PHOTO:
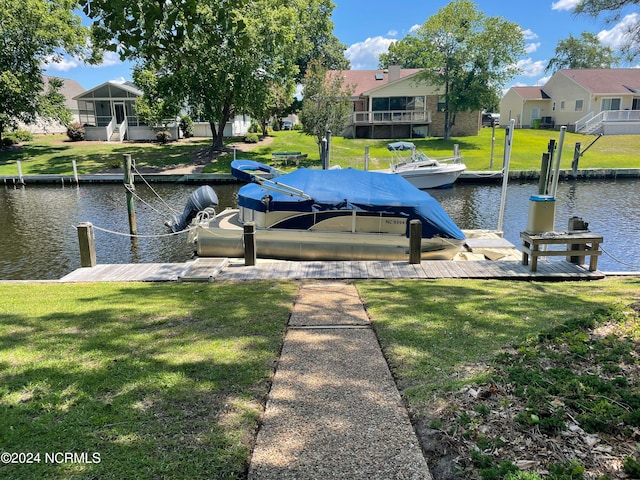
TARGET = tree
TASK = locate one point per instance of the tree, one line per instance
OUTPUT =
(583, 52)
(160, 103)
(226, 55)
(35, 33)
(326, 102)
(615, 9)
(467, 55)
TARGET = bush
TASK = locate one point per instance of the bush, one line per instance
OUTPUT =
(75, 132)
(254, 127)
(163, 136)
(8, 140)
(251, 138)
(186, 125)
(23, 135)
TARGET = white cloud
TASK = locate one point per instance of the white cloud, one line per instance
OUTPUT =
(543, 80)
(392, 33)
(531, 68)
(64, 65)
(618, 35)
(364, 55)
(564, 4)
(110, 59)
(529, 34)
(532, 47)
(414, 28)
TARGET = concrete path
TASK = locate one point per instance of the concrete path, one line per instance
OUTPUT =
(334, 410)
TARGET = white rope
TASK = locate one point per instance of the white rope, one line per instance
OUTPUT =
(618, 260)
(160, 235)
(133, 192)
(171, 209)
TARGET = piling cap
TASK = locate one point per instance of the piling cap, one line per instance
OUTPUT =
(542, 198)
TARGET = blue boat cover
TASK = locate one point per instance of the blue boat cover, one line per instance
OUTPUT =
(351, 189)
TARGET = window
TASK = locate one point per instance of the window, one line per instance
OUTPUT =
(610, 104)
(579, 103)
(380, 104)
(562, 105)
(441, 103)
(553, 107)
(636, 104)
(383, 104)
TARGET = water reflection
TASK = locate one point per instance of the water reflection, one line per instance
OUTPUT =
(38, 239)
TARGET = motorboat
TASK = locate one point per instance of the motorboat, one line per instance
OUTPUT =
(423, 171)
(309, 214)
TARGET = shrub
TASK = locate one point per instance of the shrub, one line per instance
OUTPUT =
(23, 135)
(186, 125)
(75, 132)
(8, 140)
(254, 127)
(163, 136)
(251, 138)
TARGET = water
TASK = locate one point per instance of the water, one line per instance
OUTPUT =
(38, 239)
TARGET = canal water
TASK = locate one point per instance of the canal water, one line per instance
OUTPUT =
(38, 239)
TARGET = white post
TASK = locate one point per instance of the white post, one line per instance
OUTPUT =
(366, 158)
(75, 171)
(556, 170)
(20, 172)
(505, 173)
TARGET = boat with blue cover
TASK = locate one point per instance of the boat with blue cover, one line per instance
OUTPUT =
(341, 214)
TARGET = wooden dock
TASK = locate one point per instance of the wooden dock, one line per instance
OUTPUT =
(224, 269)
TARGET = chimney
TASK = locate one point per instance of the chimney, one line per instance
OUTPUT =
(394, 72)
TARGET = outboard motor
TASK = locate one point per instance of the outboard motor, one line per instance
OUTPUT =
(202, 198)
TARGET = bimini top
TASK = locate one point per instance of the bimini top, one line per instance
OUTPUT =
(306, 190)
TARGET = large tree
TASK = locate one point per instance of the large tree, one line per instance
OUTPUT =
(326, 102)
(34, 33)
(583, 52)
(468, 55)
(227, 56)
(613, 11)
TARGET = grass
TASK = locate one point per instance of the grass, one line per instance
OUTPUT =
(535, 339)
(158, 380)
(52, 154)
(169, 380)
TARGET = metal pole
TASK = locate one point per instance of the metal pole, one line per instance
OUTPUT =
(556, 170)
(505, 174)
(493, 142)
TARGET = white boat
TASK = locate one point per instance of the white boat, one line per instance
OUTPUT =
(422, 171)
(307, 214)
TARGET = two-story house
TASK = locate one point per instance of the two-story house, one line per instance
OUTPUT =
(394, 103)
(585, 100)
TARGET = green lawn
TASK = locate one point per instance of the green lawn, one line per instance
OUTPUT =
(169, 380)
(52, 154)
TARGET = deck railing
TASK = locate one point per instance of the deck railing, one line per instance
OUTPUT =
(391, 116)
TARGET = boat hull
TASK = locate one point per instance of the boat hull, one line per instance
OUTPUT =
(223, 237)
(435, 178)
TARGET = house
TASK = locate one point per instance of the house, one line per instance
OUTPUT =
(393, 103)
(585, 100)
(107, 112)
(70, 88)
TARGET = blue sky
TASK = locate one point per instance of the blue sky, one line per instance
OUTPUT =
(367, 27)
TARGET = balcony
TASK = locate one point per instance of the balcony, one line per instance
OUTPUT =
(390, 116)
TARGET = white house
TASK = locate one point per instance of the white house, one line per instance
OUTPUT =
(585, 100)
(107, 113)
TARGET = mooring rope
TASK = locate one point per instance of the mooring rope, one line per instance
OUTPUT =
(171, 209)
(159, 235)
(618, 260)
(133, 192)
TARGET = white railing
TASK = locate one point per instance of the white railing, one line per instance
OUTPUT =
(592, 121)
(110, 128)
(391, 116)
(122, 129)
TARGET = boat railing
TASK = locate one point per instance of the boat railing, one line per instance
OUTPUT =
(280, 187)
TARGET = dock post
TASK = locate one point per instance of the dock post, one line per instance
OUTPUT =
(249, 237)
(87, 242)
(130, 187)
(415, 241)
(544, 174)
(366, 158)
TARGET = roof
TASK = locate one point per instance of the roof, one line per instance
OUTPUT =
(70, 89)
(606, 81)
(531, 93)
(111, 89)
(365, 80)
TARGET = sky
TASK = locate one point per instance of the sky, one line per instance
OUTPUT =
(368, 27)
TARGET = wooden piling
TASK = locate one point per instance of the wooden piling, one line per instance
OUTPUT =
(415, 241)
(249, 237)
(86, 239)
(130, 187)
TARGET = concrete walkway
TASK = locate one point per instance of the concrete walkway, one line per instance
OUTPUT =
(334, 410)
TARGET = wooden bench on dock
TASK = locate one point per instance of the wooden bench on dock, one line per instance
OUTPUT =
(283, 158)
(577, 245)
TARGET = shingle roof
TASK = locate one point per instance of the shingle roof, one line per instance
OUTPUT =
(531, 93)
(365, 80)
(70, 89)
(606, 81)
